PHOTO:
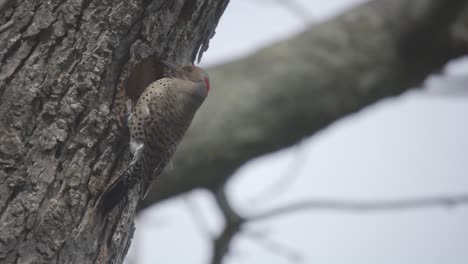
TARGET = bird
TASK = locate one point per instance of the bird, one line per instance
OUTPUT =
(157, 124)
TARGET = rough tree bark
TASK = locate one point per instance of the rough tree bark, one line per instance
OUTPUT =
(292, 89)
(61, 63)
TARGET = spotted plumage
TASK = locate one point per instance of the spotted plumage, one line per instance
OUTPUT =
(157, 123)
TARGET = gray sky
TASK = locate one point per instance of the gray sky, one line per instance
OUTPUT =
(407, 146)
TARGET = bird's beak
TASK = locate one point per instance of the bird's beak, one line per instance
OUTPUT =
(171, 66)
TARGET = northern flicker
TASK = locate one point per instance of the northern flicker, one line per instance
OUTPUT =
(157, 123)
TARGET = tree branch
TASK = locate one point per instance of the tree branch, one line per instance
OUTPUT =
(292, 89)
(363, 206)
(232, 225)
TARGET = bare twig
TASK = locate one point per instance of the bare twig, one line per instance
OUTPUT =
(363, 206)
(232, 225)
(286, 179)
(275, 247)
(234, 222)
(198, 218)
(294, 7)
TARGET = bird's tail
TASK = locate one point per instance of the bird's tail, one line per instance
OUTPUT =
(114, 195)
(118, 190)
(137, 172)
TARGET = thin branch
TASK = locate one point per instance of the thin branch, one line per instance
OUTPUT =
(364, 206)
(234, 222)
(232, 225)
(286, 179)
(275, 247)
(295, 8)
(197, 216)
(224, 205)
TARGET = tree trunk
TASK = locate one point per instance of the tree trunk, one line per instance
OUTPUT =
(60, 145)
(293, 89)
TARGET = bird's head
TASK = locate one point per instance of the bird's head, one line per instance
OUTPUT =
(191, 73)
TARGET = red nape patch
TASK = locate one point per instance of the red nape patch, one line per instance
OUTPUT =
(207, 83)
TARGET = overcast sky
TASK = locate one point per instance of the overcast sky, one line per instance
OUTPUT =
(408, 146)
